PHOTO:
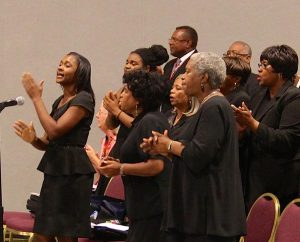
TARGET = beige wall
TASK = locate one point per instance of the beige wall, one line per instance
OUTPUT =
(35, 34)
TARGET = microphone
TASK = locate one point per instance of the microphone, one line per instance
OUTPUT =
(12, 102)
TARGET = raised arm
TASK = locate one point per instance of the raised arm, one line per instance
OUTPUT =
(53, 128)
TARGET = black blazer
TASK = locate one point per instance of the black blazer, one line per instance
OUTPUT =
(274, 152)
(169, 67)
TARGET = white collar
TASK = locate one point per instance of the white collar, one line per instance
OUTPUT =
(186, 56)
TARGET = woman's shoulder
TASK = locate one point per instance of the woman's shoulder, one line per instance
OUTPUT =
(83, 99)
(238, 97)
(217, 105)
(83, 95)
(154, 119)
(155, 115)
(291, 94)
(215, 101)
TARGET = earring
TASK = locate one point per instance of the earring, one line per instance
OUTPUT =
(136, 110)
(202, 87)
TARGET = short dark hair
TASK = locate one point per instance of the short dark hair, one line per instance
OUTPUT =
(83, 74)
(191, 33)
(236, 66)
(154, 56)
(283, 59)
(146, 87)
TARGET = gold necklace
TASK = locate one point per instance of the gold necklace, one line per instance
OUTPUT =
(209, 96)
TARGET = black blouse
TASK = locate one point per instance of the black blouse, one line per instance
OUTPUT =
(145, 196)
(65, 155)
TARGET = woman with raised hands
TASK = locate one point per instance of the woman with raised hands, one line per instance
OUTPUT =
(64, 210)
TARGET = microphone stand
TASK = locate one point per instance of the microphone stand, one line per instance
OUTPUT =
(1, 207)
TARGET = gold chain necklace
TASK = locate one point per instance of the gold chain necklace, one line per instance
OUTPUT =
(209, 96)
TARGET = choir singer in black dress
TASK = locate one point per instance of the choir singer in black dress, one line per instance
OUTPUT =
(64, 211)
(205, 199)
(145, 176)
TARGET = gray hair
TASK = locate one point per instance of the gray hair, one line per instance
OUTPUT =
(211, 64)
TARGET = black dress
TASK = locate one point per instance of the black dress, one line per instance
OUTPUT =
(236, 97)
(68, 177)
(145, 196)
(205, 193)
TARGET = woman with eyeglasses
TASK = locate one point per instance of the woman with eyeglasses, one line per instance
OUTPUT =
(274, 128)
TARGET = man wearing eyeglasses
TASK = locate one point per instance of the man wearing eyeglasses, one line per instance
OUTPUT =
(243, 50)
(183, 43)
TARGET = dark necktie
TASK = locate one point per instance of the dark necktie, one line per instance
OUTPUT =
(175, 67)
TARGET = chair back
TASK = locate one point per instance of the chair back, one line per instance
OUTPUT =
(288, 229)
(262, 218)
(115, 188)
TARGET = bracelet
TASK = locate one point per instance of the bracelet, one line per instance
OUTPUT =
(34, 140)
(119, 114)
(170, 145)
(122, 170)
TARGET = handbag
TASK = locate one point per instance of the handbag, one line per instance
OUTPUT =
(33, 203)
(104, 208)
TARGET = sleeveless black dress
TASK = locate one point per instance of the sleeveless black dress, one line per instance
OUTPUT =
(68, 177)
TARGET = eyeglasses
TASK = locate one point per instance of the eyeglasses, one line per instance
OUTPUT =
(263, 65)
(177, 40)
(234, 53)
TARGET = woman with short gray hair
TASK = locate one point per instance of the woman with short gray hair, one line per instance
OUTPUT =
(205, 200)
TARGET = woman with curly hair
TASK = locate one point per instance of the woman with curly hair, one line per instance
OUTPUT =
(145, 176)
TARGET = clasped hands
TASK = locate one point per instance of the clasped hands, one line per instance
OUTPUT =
(108, 166)
(111, 103)
(156, 144)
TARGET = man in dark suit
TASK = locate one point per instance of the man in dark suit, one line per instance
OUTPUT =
(183, 43)
(243, 50)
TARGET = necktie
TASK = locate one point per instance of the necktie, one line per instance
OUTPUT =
(175, 67)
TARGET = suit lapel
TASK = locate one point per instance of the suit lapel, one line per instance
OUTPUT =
(259, 114)
(257, 103)
(181, 68)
